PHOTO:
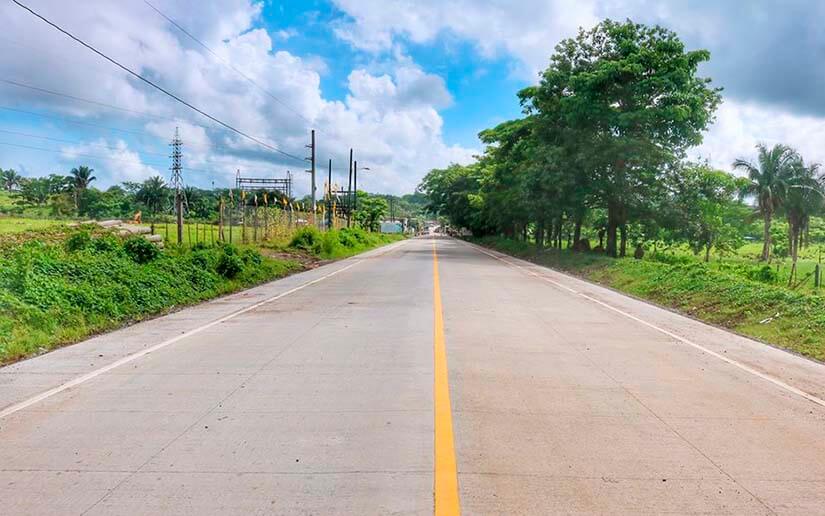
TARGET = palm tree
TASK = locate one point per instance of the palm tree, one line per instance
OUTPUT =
(804, 198)
(153, 194)
(10, 179)
(769, 183)
(80, 179)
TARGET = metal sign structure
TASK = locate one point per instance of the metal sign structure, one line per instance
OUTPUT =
(255, 184)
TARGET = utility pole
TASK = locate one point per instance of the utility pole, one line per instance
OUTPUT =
(177, 181)
(355, 184)
(311, 159)
(349, 191)
(329, 196)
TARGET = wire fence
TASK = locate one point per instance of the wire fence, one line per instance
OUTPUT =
(242, 225)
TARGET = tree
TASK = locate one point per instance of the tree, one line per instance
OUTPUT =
(153, 194)
(769, 183)
(629, 96)
(700, 209)
(80, 178)
(803, 198)
(371, 211)
(10, 179)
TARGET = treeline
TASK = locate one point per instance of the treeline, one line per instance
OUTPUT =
(74, 196)
(600, 153)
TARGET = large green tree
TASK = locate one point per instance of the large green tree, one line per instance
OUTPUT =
(630, 97)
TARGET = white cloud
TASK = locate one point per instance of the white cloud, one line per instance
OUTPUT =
(390, 118)
(740, 126)
(527, 30)
(121, 163)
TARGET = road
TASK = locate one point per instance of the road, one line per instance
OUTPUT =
(427, 374)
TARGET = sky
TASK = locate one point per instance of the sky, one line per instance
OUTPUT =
(407, 84)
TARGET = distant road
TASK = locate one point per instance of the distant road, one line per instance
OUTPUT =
(429, 373)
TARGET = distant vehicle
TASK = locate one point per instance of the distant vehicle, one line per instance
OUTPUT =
(392, 227)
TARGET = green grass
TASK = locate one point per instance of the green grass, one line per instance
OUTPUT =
(59, 286)
(50, 296)
(10, 225)
(339, 243)
(704, 291)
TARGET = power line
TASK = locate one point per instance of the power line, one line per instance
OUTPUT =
(228, 150)
(109, 147)
(88, 101)
(76, 142)
(152, 84)
(228, 64)
(93, 156)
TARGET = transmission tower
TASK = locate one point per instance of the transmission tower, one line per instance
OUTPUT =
(177, 181)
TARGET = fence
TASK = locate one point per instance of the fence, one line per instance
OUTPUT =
(242, 225)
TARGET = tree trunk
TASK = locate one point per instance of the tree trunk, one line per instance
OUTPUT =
(623, 235)
(766, 238)
(540, 235)
(707, 251)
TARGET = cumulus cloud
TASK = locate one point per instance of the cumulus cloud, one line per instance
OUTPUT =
(766, 54)
(120, 162)
(740, 126)
(390, 118)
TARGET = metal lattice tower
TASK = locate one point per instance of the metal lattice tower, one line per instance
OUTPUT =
(177, 162)
(177, 180)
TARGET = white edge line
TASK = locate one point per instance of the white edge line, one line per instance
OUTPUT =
(748, 369)
(134, 356)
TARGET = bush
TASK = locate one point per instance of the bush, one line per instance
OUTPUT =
(229, 265)
(140, 249)
(252, 257)
(307, 239)
(202, 258)
(330, 243)
(106, 244)
(78, 241)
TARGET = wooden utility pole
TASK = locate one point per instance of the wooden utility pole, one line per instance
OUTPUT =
(349, 191)
(329, 196)
(311, 160)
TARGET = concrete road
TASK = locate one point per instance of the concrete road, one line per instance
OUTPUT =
(392, 383)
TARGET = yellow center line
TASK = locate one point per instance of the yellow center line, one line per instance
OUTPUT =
(445, 482)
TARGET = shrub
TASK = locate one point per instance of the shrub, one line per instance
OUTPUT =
(200, 246)
(307, 239)
(252, 257)
(229, 265)
(140, 249)
(106, 244)
(202, 258)
(330, 243)
(78, 241)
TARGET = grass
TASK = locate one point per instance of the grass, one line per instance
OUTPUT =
(11, 225)
(770, 312)
(61, 286)
(338, 243)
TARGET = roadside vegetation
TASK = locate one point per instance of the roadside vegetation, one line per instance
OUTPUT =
(594, 179)
(734, 296)
(61, 285)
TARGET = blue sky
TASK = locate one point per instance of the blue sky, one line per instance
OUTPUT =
(408, 85)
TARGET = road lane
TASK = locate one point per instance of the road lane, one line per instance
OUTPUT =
(325, 401)
(562, 405)
(319, 402)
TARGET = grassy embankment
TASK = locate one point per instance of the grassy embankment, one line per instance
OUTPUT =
(60, 287)
(734, 296)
